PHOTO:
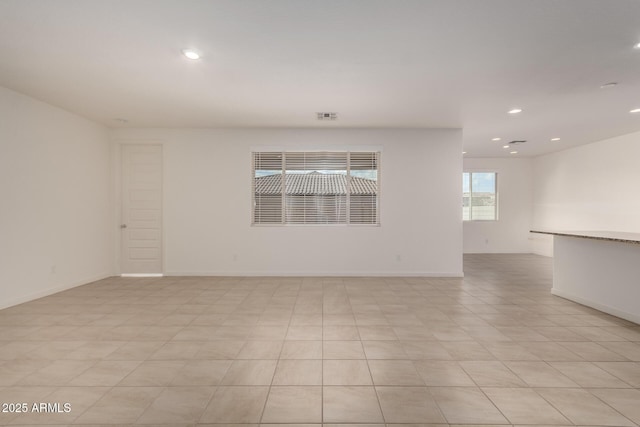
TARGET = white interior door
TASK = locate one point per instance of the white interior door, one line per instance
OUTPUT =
(141, 226)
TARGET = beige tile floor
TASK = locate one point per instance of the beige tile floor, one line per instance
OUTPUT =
(494, 348)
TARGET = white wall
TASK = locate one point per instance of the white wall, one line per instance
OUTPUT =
(510, 234)
(55, 212)
(591, 187)
(207, 205)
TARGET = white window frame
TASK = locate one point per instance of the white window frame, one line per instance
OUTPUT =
(348, 222)
(495, 208)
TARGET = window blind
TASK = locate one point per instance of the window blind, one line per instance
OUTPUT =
(336, 187)
(363, 202)
(267, 188)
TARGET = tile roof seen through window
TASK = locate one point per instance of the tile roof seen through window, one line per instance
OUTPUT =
(314, 183)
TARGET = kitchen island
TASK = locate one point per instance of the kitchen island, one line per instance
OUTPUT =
(599, 269)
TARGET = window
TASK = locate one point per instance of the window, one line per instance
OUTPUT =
(337, 187)
(479, 196)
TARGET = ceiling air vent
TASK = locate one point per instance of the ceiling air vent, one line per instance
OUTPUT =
(517, 142)
(327, 116)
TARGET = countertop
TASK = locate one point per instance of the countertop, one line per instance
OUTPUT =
(612, 236)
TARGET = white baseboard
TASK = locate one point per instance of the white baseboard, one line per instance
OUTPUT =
(632, 317)
(315, 273)
(50, 291)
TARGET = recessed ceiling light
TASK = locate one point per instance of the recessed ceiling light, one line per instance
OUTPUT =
(505, 146)
(513, 152)
(191, 54)
(555, 139)
(496, 139)
(635, 110)
(464, 152)
(636, 46)
(608, 85)
(515, 111)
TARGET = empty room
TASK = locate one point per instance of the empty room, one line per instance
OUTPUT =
(365, 213)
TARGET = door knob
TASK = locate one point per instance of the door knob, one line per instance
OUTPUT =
(123, 225)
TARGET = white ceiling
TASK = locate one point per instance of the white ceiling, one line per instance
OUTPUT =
(378, 63)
